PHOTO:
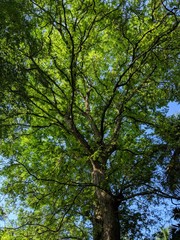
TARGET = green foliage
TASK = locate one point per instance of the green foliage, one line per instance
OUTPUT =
(169, 131)
(163, 235)
(85, 83)
(173, 232)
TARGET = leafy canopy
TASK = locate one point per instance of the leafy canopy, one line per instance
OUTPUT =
(83, 81)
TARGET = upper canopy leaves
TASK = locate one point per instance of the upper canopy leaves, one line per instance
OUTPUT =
(84, 81)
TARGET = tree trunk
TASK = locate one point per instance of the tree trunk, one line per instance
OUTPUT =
(105, 222)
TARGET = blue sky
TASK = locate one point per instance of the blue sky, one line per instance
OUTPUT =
(174, 108)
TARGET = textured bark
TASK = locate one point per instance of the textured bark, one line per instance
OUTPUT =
(105, 222)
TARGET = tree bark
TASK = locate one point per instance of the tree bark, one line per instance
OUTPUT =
(106, 222)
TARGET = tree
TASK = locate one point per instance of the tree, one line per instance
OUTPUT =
(171, 178)
(175, 229)
(83, 90)
(172, 232)
(163, 235)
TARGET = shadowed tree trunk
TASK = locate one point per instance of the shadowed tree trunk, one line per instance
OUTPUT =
(106, 222)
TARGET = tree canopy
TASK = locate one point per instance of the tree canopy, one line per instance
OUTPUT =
(86, 144)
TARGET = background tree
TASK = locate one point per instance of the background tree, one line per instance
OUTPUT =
(175, 229)
(83, 90)
(163, 235)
